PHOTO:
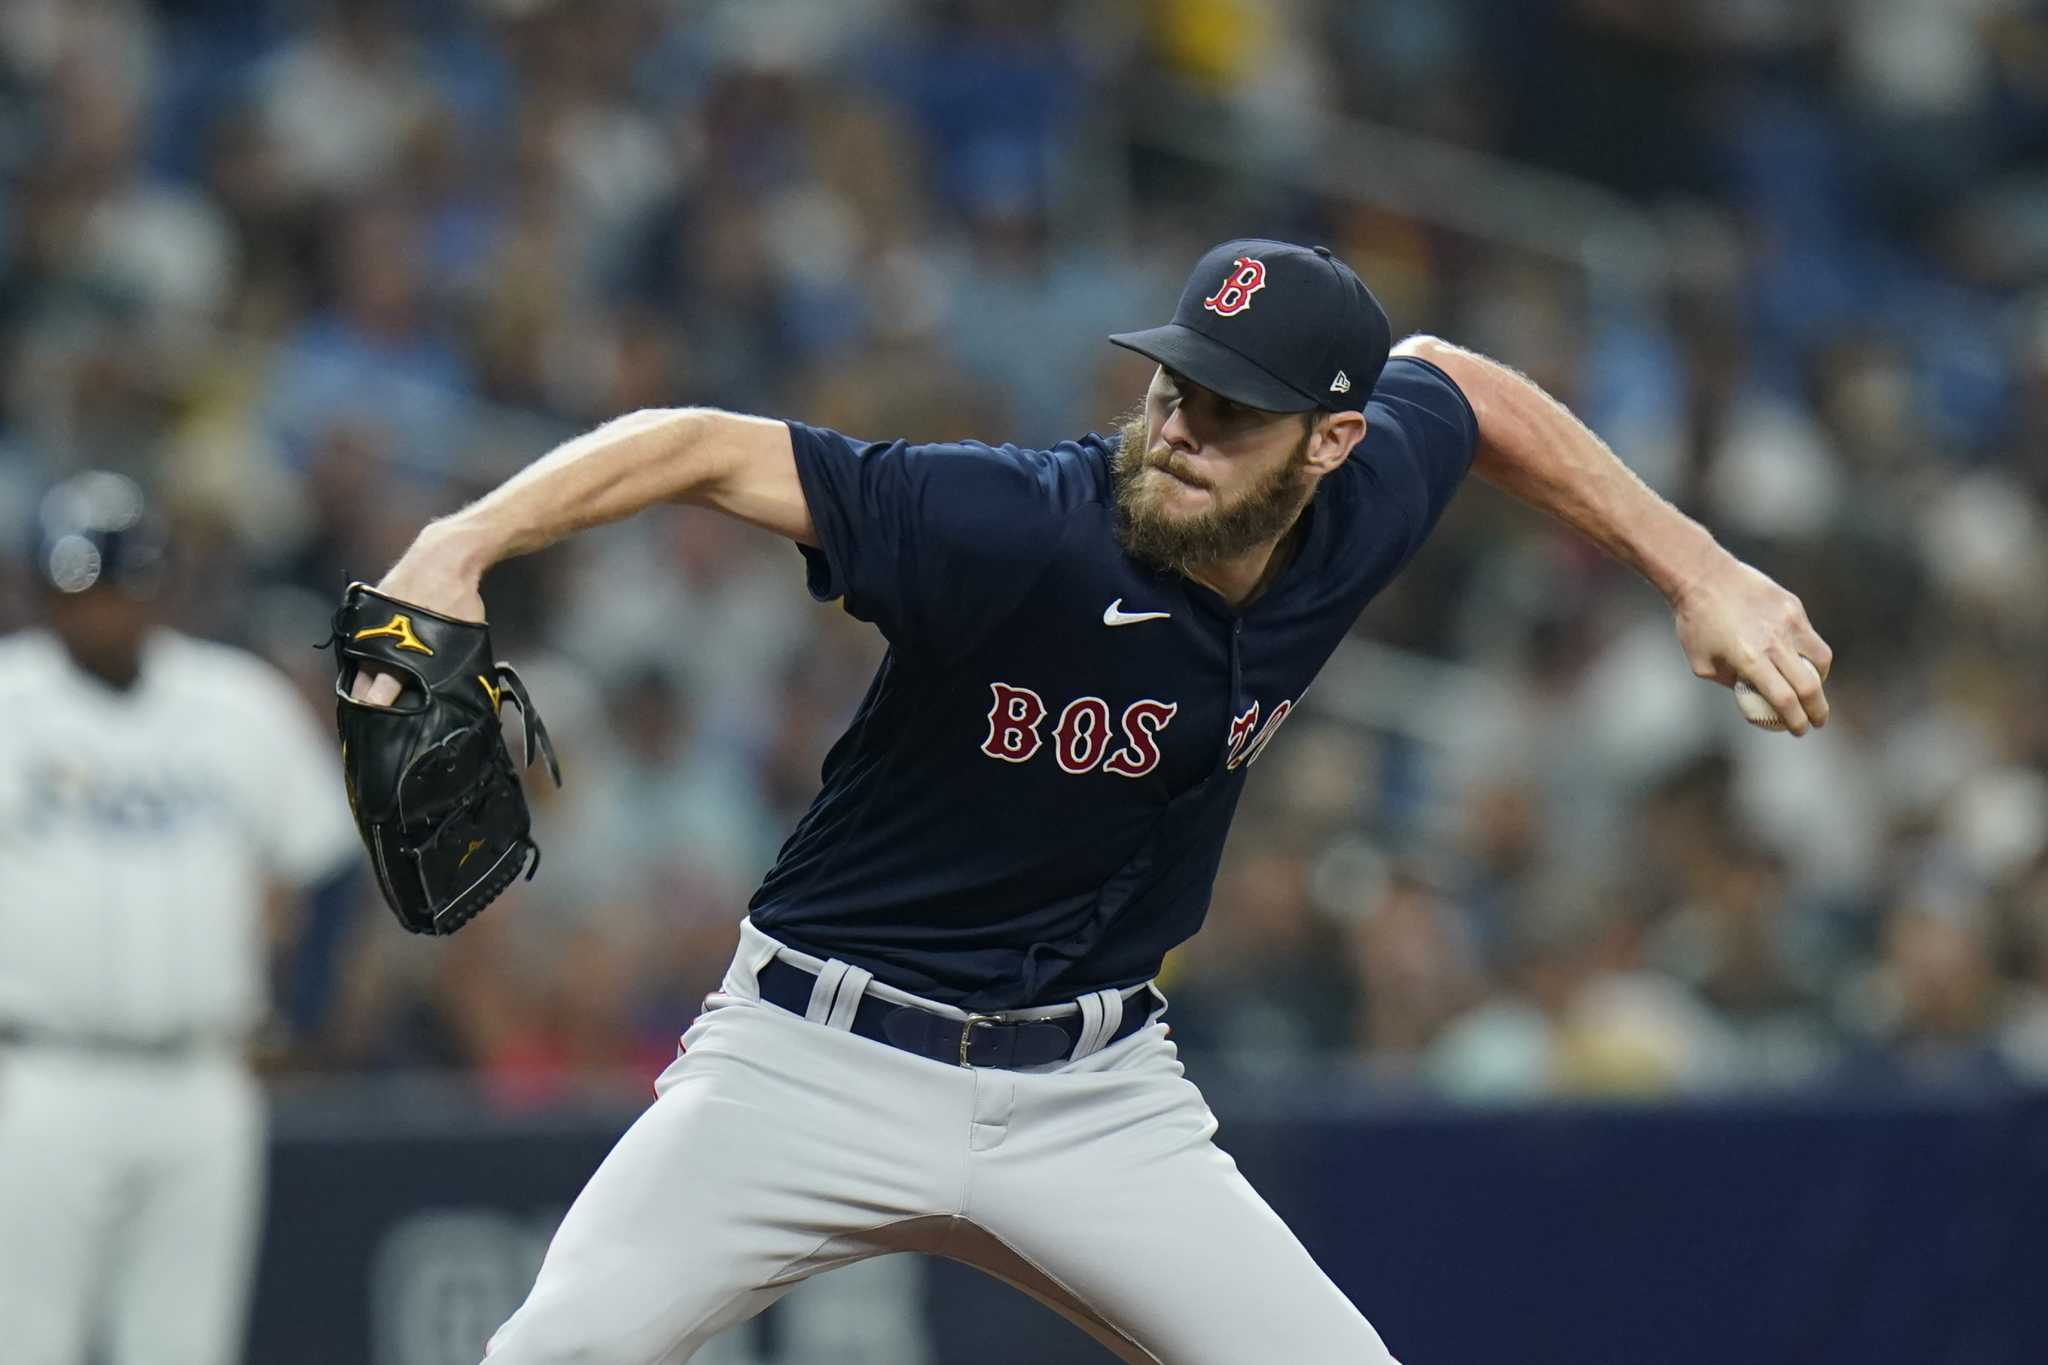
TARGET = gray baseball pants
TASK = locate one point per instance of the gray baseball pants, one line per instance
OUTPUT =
(779, 1147)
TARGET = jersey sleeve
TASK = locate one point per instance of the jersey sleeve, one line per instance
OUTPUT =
(1420, 463)
(935, 544)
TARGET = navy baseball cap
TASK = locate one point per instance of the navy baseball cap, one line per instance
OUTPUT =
(1275, 326)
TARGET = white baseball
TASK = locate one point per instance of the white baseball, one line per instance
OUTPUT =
(1755, 709)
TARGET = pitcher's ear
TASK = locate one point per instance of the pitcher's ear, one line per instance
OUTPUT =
(1336, 435)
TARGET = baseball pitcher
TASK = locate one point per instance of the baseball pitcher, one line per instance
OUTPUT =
(939, 1032)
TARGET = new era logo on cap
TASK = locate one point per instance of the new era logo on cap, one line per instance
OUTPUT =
(1341, 384)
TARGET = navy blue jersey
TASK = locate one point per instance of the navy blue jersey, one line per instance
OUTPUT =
(1032, 799)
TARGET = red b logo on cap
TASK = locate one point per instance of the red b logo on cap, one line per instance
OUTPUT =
(1247, 277)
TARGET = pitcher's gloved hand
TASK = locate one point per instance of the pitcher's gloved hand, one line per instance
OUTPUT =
(433, 788)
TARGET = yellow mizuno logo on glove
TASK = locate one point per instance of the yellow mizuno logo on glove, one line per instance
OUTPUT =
(399, 627)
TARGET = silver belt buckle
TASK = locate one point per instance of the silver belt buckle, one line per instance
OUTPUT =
(967, 1027)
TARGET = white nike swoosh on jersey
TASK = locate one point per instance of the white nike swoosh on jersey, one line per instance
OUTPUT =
(1111, 616)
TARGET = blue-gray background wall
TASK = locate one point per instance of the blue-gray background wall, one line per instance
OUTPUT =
(1839, 1227)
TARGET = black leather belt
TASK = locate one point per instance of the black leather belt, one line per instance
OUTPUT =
(977, 1040)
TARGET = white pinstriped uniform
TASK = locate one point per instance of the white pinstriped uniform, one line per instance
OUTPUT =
(140, 831)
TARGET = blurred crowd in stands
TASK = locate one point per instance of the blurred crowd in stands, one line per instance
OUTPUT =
(318, 270)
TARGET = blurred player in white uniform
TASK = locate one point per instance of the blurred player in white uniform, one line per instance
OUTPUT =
(155, 790)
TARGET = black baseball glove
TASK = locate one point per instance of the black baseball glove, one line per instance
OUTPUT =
(433, 789)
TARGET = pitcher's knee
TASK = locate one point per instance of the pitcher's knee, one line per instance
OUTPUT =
(564, 1337)
(531, 1348)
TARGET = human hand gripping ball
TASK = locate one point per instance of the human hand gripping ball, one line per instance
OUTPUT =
(1744, 631)
(431, 784)
(1755, 709)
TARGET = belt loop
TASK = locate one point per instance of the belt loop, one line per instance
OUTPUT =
(1091, 1025)
(824, 989)
(851, 988)
(1101, 1013)
(1112, 1017)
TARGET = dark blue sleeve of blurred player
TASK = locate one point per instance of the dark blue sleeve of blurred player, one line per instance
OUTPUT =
(312, 968)
(1420, 435)
(935, 544)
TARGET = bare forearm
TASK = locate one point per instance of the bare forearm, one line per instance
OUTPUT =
(1733, 622)
(741, 466)
(1530, 445)
(606, 475)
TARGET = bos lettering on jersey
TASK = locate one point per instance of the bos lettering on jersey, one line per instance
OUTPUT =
(1083, 737)
(1243, 748)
